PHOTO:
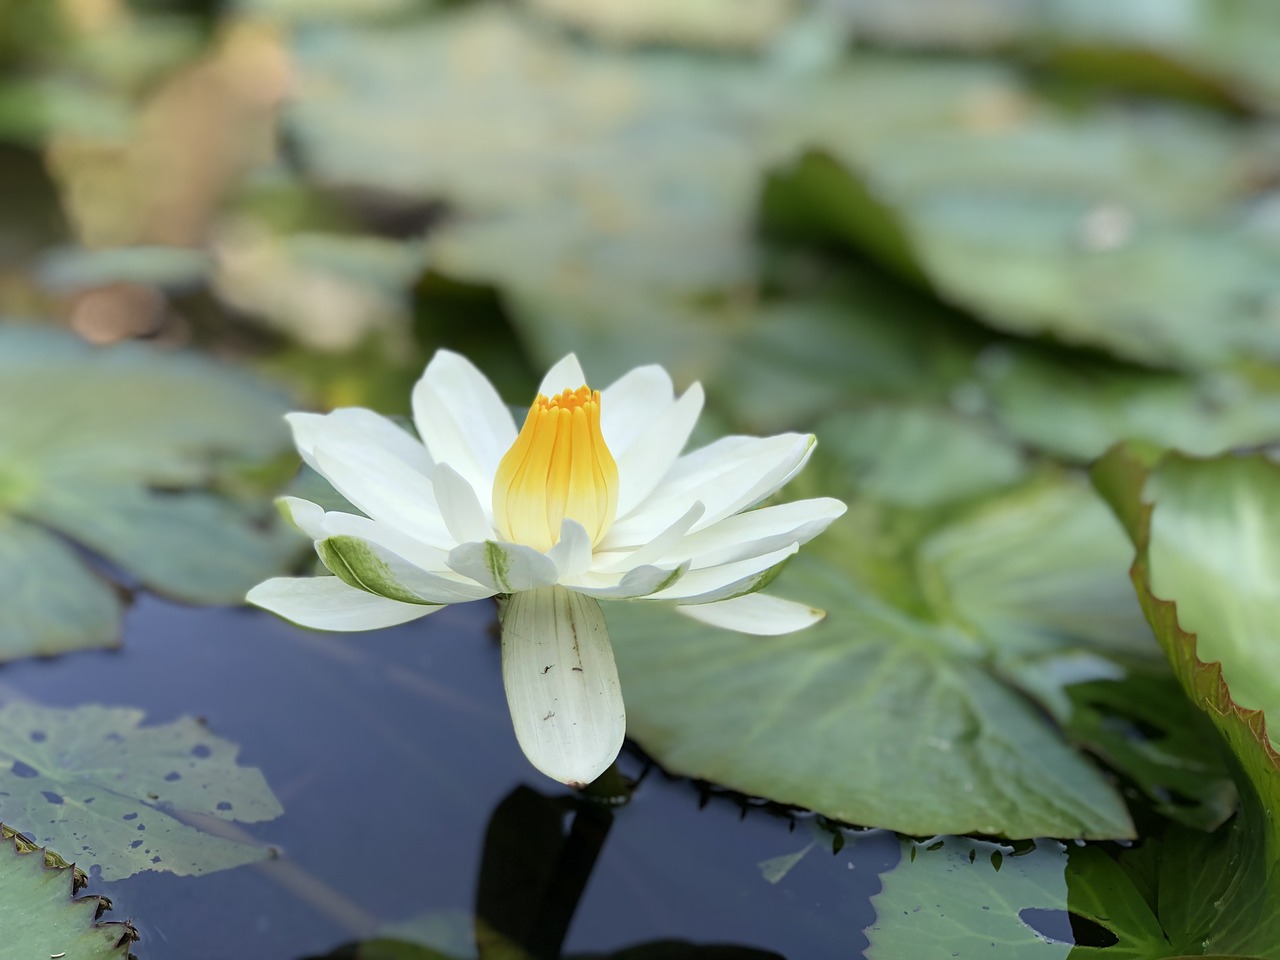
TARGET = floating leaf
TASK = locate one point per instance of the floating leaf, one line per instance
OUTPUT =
(120, 450)
(1110, 260)
(40, 915)
(1076, 409)
(925, 697)
(965, 899)
(717, 24)
(93, 782)
(1184, 894)
(1194, 46)
(1206, 534)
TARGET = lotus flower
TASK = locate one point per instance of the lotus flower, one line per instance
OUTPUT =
(589, 500)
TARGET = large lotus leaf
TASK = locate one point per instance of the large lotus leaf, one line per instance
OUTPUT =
(1117, 262)
(1224, 41)
(919, 456)
(584, 178)
(55, 602)
(40, 915)
(1206, 538)
(917, 714)
(1077, 409)
(1204, 532)
(125, 451)
(111, 793)
(718, 24)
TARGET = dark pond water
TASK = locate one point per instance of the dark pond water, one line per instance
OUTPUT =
(391, 752)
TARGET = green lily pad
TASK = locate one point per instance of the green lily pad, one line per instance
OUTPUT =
(1184, 894)
(132, 454)
(116, 795)
(41, 915)
(714, 24)
(1111, 261)
(1200, 44)
(1077, 409)
(1205, 533)
(964, 899)
(925, 697)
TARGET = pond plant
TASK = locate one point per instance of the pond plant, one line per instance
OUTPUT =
(591, 500)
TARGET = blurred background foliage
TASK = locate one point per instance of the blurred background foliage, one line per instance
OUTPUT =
(970, 243)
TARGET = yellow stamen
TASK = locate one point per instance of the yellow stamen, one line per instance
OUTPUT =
(559, 468)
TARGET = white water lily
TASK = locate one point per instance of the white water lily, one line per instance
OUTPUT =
(590, 500)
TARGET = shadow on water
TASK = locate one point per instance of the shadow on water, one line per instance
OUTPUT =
(409, 807)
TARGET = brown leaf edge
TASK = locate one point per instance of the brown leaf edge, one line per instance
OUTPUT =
(1120, 477)
(52, 861)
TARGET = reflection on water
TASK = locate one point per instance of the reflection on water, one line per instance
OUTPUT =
(407, 802)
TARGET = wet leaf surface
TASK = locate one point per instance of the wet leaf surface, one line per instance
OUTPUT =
(116, 795)
(41, 915)
(130, 454)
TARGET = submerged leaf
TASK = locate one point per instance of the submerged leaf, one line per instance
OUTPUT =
(111, 793)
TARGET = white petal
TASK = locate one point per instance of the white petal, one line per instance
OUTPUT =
(572, 552)
(326, 603)
(385, 488)
(729, 475)
(425, 556)
(504, 567)
(360, 428)
(756, 531)
(462, 420)
(562, 685)
(303, 514)
(368, 565)
(629, 404)
(660, 546)
(646, 461)
(463, 515)
(725, 581)
(635, 583)
(755, 613)
(565, 375)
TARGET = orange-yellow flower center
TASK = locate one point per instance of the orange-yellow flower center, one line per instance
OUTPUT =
(559, 468)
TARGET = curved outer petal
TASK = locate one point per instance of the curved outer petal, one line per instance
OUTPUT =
(650, 455)
(727, 476)
(630, 404)
(462, 420)
(565, 375)
(303, 514)
(663, 545)
(636, 583)
(360, 428)
(464, 516)
(372, 567)
(504, 567)
(421, 555)
(326, 603)
(562, 685)
(756, 532)
(755, 613)
(726, 581)
(386, 489)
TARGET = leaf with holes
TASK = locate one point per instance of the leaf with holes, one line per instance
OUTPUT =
(132, 454)
(118, 796)
(41, 916)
